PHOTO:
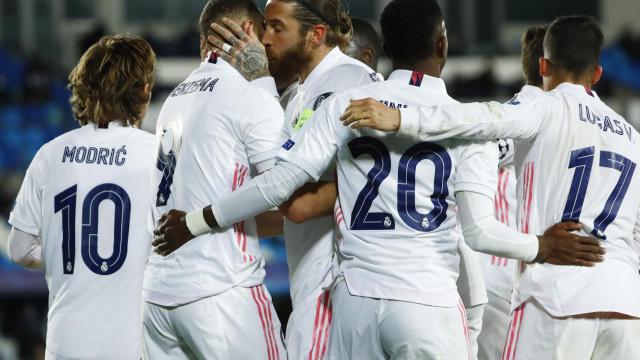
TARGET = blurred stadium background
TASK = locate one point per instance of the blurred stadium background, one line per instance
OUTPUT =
(41, 40)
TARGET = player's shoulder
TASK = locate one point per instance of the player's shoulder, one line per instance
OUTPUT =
(255, 98)
(526, 95)
(350, 70)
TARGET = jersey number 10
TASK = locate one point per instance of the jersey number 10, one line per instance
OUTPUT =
(66, 202)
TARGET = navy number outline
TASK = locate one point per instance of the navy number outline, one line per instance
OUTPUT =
(65, 201)
(362, 219)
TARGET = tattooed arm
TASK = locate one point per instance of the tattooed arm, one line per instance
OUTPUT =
(246, 54)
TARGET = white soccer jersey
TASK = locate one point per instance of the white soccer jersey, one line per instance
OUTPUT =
(580, 165)
(309, 245)
(212, 129)
(500, 273)
(86, 196)
(397, 196)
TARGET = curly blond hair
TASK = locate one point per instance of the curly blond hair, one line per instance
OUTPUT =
(108, 83)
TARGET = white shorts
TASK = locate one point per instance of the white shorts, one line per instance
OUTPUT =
(365, 328)
(308, 327)
(239, 323)
(495, 323)
(534, 334)
(474, 323)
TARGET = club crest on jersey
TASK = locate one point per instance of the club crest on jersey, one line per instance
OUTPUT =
(320, 99)
(416, 78)
(376, 77)
(387, 222)
(288, 145)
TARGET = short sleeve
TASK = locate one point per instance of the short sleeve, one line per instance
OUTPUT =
(477, 170)
(261, 124)
(26, 214)
(314, 147)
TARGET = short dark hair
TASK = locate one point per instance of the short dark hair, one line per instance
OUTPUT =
(215, 10)
(364, 34)
(574, 43)
(532, 51)
(330, 12)
(408, 28)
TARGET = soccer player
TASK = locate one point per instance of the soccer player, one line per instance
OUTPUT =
(207, 300)
(81, 203)
(396, 295)
(365, 43)
(499, 273)
(306, 36)
(579, 164)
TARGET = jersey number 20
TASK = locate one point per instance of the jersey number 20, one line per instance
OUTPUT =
(66, 202)
(362, 219)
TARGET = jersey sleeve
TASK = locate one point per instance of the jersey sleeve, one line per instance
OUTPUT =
(477, 170)
(486, 121)
(26, 214)
(261, 122)
(314, 147)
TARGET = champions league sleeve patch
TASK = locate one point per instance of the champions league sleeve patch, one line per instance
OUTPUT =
(514, 100)
(288, 145)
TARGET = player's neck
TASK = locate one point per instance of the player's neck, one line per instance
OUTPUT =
(431, 67)
(560, 76)
(317, 55)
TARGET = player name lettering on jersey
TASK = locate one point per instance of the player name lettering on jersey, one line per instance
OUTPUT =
(605, 123)
(94, 155)
(393, 105)
(185, 88)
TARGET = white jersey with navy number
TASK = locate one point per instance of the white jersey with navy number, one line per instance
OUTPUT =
(581, 165)
(396, 195)
(86, 196)
(212, 130)
(309, 245)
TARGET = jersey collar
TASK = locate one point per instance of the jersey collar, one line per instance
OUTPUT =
(328, 62)
(531, 89)
(213, 59)
(418, 79)
(577, 89)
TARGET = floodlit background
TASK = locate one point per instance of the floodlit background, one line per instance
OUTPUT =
(41, 40)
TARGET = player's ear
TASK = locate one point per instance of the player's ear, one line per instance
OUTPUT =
(147, 89)
(367, 55)
(249, 27)
(597, 74)
(544, 67)
(318, 34)
(442, 47)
